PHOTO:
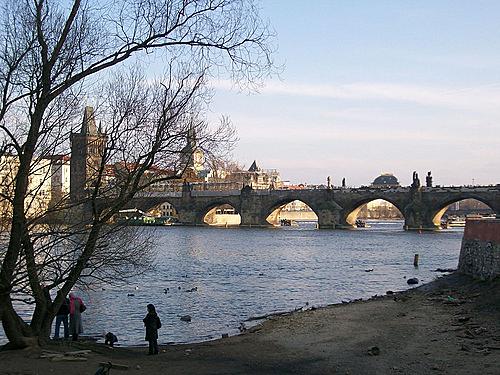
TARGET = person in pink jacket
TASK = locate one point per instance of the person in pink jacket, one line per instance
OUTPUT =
(76, 307)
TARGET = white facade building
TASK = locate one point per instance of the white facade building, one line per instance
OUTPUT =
(48, 184)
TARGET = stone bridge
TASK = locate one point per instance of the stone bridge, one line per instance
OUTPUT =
(422, 208)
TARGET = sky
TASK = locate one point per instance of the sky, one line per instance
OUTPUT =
(371, 87)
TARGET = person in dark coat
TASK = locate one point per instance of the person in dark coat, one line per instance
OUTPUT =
(152, 324)
(62, 317)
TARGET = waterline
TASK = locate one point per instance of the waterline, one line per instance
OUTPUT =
(244, 272)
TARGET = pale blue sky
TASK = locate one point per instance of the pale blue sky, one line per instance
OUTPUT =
(376, 86)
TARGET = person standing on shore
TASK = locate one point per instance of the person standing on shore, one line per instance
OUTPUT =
(62, 317)
(152, 324)
(76, 307)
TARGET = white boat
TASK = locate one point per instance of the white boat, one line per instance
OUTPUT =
(455, 222)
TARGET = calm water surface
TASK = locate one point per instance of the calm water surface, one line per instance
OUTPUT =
(244, 272)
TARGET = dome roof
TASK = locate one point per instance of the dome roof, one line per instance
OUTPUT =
(386, 179)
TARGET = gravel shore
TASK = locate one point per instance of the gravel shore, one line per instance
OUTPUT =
(449, 326)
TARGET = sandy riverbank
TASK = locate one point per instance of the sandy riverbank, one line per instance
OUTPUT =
(420, 331)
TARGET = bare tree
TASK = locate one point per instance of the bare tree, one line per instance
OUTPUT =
(52, 54)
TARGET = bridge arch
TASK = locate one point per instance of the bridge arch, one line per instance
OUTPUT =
(219, 213)
(352, 214)
(277, 211)
(438, 211)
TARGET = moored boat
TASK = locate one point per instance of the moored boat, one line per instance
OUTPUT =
(150, 221)
(361, 224)
(288, 223)
(136, 217)
(455, 222)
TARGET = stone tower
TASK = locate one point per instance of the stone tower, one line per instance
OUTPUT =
(87, 150)
(192, 157)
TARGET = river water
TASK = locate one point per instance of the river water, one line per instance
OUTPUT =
(240, 273)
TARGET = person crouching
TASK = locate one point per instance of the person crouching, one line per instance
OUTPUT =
(110, 339)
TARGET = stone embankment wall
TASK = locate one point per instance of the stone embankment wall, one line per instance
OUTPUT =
(480, 252)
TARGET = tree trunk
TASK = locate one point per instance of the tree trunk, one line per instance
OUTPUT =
(22, 335)
(42, 319)
(19, 333)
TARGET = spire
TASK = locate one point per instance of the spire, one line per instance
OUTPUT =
(88, 125)
(254, 167)
(191, 137)
(190, 146)
(187, 152)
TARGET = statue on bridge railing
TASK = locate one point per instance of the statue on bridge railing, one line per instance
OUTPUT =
(416, 181)
(186, 186)
(246, 189)
(428, 179)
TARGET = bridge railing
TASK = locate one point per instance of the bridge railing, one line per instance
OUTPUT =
(231, 187)
(164, 187)
(194, 186)
(214, 193)
(216, 186)
(154, 194)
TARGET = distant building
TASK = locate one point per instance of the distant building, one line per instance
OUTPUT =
(385, 180)
(296, 206)
(468, 207)
(164, 209)
(60, 178)
(257, 177)
(41, 185)
(87, 151)
(379, 209)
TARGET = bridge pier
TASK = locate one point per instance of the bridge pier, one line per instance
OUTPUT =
(251, 209)
(343, 224)
(78, 214)
(420, 223)
(188, 217)
(328, 219)
(253, 219)
(427, 228)
(347, 218)
(418, 214)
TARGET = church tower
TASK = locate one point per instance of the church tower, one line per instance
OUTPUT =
(87, 150)
(192, 157)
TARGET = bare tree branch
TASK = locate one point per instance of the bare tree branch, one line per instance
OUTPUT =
(54, 55)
